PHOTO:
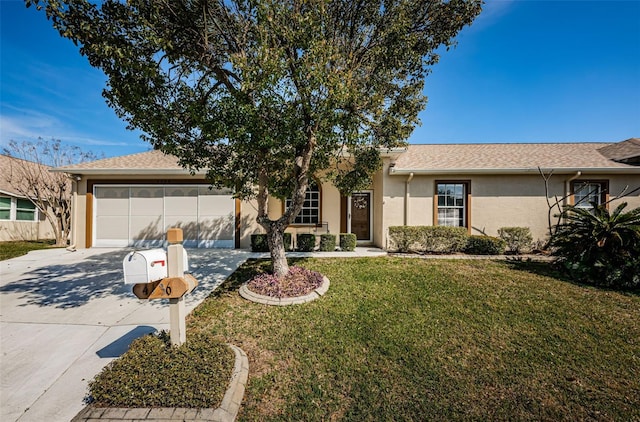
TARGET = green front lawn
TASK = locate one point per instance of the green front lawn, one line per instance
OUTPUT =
(14, 249)
(412, 339)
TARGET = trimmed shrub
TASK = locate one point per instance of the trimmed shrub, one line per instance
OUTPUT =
(348, 241)
(327, 242)
(306, 242)
(259, 242)
(518, 239)
(444, 239)
(406, 238)
(428, 239)
(485, 245)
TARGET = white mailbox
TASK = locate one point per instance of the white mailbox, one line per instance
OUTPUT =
(145, 266)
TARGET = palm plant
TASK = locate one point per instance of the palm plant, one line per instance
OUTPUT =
(599, 246)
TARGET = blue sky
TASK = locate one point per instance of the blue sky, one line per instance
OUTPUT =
(525, 71)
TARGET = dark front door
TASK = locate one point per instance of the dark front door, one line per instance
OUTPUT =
(361, 215)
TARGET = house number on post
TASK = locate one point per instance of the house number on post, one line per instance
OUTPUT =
(152, 280)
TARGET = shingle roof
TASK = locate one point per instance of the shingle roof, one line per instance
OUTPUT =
(626, 151)
(502, 157)
(433, 157)
(7, 182)
(150, 161)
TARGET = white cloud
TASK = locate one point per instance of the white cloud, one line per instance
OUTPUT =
(29, 125)
(492, 11)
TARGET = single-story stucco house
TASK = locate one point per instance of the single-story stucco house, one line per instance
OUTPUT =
(132, 200)
(19, 217)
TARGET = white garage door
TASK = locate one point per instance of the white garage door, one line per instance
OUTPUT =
(140, 215)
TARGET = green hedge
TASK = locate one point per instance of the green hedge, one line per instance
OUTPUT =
(259, 242)
(327, 242)
(485, 245)
(348, 241)
(428, 239)
(306, 242)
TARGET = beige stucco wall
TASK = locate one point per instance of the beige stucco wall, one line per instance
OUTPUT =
(26, 230)
(330, 214)
(496, 201)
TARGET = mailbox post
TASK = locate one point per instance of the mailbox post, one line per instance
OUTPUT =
(175, 268)
(157, 274)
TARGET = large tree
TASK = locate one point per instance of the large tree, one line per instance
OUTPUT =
(264, 94)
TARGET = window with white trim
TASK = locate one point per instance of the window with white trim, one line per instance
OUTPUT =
(17, 209)
(5, 208)
(452, 204)
(310, 212)
(25, 210)
(586, 193)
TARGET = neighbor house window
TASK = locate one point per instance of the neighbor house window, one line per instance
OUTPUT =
(5, 208)
(586, 193)
(452, 204)
(25, 210)
(310, 212)
(17, 209)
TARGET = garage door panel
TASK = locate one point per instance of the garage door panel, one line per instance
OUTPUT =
(181, 207)
(147, 202)
(217, 227)
(113, 201)
(140, 215)
(112, 227)
(181, 202)
(189, 225)
(147, 227)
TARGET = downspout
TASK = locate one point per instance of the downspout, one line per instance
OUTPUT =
(407, 191)
(567, 187)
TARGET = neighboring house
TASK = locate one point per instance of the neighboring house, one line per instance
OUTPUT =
(19, 217)
(132, 200)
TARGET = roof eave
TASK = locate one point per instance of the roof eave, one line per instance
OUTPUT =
(125, 171)
(9, 193)
(529, 170)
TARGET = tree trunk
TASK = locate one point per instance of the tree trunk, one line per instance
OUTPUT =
(275, 233)
(275, 229)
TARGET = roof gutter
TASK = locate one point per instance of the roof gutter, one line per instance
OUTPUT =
(531, 170)
(14, 194)
(129, 171)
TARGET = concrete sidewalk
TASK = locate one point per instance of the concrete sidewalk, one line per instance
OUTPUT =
(65, 315)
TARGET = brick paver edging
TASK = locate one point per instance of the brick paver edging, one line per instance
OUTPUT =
(268, 300)
(227, 411)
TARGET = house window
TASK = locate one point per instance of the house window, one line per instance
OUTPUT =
(16, 209)
(310, 212)
(5, 208)
(586, 193)
(25, 210)
(452, 203)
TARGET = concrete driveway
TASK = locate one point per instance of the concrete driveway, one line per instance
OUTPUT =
(65, 315)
